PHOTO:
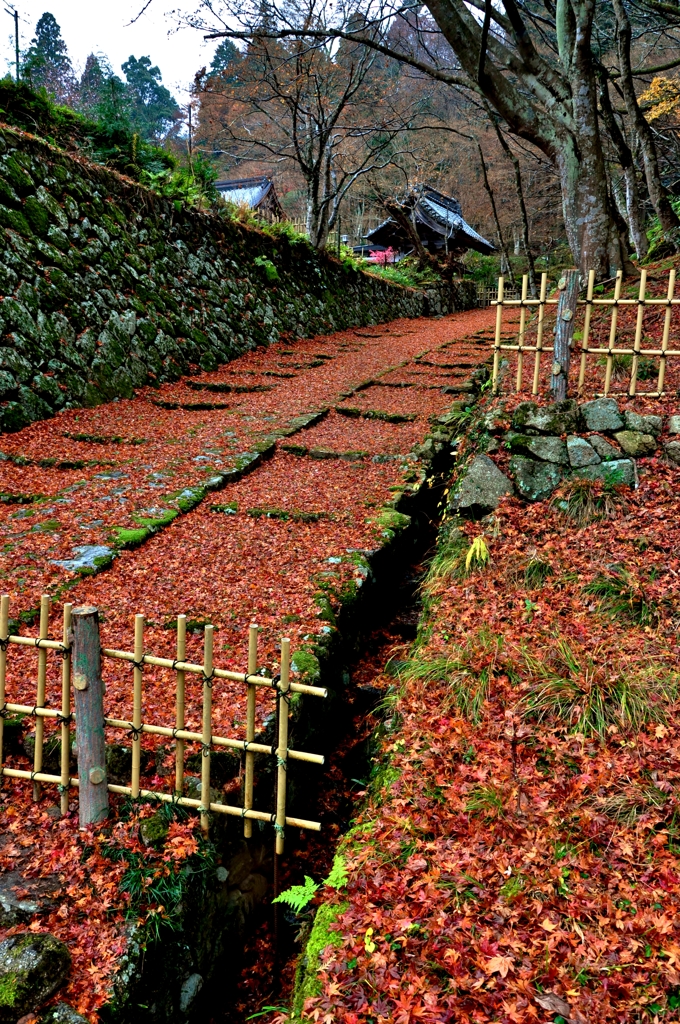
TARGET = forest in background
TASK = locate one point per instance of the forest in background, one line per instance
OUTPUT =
(349, 114)
(567, 111)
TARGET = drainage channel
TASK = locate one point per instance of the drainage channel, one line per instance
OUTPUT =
(267, 969)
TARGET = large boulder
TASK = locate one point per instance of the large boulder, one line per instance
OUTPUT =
(32, 968)
(618, 471)
(556, 418)
(480, 488)
(602, 414)
(534, 480)
(581, 453)
(547, 449)
(636, 444)
(643, 424)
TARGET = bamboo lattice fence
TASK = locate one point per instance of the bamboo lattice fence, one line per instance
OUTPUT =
(536, 317)
(280, 685)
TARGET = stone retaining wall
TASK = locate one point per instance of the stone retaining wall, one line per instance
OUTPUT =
(547, 444)
(106, 286)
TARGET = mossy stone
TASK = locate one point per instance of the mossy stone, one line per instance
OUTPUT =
(153, 831)
(15, 219)
(16, 175)
(307, 667)
(32, 968)
(36, 215)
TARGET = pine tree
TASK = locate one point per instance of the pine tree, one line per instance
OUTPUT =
(46, 62)
(225, 61)
(102, 95)
(154, 110)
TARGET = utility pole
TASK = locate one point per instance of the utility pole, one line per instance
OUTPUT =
(191, 142)
(13, 13)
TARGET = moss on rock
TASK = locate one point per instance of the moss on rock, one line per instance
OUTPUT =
(307, 983)
(32, 967)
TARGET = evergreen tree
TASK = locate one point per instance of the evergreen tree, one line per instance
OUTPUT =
(46, 62)
(225, 61)
(92, 82)
(153, 109)
(102, 95)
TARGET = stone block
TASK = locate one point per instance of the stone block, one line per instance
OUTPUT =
(643, 424)
(672, 451)
(602, 414)
(605, 449)
(62, 1013)
(535, 481)
(636, 444)
(618, 471)
(556, 418)
(581, 453)
(480, 488)
(547, 449)
(674, 424)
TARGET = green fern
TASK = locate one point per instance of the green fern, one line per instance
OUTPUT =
(337, 879)
(299, 896)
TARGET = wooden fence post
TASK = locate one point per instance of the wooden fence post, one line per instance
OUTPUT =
(282, 751)
(569, 287)
(93, 796)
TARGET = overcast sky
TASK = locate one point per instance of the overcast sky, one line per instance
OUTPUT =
(103, 26)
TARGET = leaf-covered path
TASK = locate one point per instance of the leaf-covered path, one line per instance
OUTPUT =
(330, 430)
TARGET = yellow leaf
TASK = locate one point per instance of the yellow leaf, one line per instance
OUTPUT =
(548, 925)
(499, 965)
(660, 732)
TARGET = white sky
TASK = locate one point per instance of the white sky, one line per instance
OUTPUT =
(89, 26)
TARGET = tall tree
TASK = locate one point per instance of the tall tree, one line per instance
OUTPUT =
(154, 110)
(225, 60)
(46, 63)
(323, 109)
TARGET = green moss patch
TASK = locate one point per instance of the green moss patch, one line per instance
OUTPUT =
(307, 984)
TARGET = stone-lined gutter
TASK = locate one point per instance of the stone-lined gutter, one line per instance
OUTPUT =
(537, 447)
(173, 979)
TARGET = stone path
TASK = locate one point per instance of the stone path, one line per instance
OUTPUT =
(250, 493)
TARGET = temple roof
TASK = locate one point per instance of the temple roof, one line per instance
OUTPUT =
(439, 220)
(250, 192)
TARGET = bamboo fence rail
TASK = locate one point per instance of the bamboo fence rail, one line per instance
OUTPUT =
(280, 685)
(533, 318)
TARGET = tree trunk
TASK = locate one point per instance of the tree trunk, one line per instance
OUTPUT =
(658, 193)
(554, 110)
(564, 332)
(505, 260)
(533, 291)
(624, 155)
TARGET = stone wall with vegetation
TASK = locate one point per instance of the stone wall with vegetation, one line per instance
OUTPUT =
(107, 286)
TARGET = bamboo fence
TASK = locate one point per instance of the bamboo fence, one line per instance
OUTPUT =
(280, 685)
(534, 318)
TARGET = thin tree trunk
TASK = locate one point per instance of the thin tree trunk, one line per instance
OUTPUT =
(658, 193)
(489, 192)
(533, 290)
(625, 158)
